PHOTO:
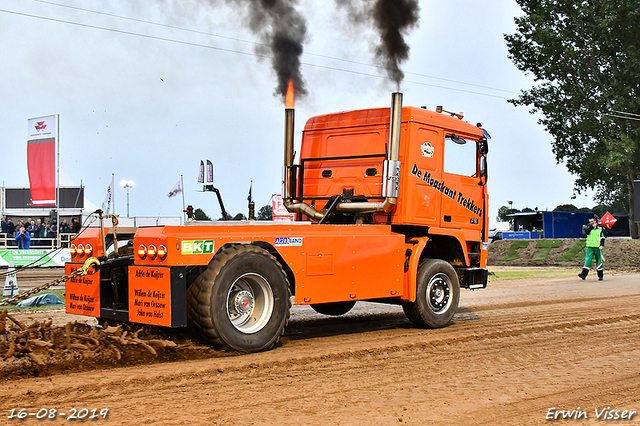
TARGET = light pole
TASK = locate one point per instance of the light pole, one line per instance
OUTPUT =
(127, 184)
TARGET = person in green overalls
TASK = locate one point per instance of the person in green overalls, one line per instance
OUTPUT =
(595, 244)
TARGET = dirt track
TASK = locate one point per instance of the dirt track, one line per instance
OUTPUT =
(516, 350)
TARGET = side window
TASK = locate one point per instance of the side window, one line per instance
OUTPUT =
(459, 156)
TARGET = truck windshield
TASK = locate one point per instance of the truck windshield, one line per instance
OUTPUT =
(459, 158)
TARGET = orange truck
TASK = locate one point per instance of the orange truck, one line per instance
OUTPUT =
(390, 205)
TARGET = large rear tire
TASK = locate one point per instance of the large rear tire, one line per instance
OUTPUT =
(437, 295)
(333, 309)
(242, 300)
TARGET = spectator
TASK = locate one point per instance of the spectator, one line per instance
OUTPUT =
(50, 231)
(64, 227)
(12, 227)
(75, 225)
(5, 225)
(5, 231)
(23, 239)
(41, 231)
(31, 227)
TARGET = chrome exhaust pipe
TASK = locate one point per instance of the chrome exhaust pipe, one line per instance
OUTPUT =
(289, 177)
(391, 169)
(289, 173)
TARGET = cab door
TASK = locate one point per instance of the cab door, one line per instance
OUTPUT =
(462, 202)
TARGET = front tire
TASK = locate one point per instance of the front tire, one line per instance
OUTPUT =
(242, 300)
(437, 295)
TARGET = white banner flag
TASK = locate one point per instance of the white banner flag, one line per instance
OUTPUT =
(279, 211)
(106, 204)
(177, 188)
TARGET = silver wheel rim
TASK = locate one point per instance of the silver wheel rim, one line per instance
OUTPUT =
(250, 303)
(439, 293)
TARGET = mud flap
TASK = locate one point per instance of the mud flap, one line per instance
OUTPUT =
(158, 295)
(473, 278)
(82, 293)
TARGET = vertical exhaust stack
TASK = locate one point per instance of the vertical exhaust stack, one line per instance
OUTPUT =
(289, 172)
(289, 119)
(391, 168)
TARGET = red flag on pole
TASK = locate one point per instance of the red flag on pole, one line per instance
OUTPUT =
(607, 220)
(41, 160)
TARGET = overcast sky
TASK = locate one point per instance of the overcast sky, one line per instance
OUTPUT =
(148, 97)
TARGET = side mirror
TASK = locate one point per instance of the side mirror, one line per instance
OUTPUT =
(483, 146)
(483, 170)
(457, 139)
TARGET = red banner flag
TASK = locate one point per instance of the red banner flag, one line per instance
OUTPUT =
(607, 220)
(41, 160)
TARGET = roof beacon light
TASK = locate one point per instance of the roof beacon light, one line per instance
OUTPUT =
(458, 115)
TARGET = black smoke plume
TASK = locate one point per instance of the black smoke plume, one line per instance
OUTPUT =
(392, 19)
(282, 31)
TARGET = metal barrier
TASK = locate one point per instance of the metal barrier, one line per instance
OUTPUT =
(7, 242)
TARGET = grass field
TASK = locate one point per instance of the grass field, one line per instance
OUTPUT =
(59, 293)
(506, 273)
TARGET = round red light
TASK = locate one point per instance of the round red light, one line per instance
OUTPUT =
(73, 250)
(162, 252)
(88, 250)
(152, 252)
(142, 251)
(80, 250)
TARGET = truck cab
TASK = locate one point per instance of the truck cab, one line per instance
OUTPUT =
(442, 180)
(390, 206)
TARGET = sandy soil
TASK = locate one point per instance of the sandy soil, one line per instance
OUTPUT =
(516, 352)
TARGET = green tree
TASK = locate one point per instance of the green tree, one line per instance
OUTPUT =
(566, 208)
(503, 212)
(201, 215)
(585, 58)
(265, 212)
(600, 210)
(239, 216)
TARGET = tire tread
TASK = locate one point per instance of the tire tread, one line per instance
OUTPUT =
(200, 294)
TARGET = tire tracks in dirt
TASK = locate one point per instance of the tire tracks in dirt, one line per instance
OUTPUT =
(501, 362)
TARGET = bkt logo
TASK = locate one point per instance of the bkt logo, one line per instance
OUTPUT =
(197, 246)
(288, 241)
